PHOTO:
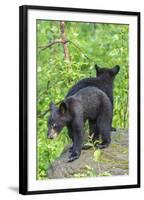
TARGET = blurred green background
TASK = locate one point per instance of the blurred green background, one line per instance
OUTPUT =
(104, 44)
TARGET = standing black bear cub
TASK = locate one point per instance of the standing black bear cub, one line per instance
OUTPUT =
(104, 81)
(90, 104)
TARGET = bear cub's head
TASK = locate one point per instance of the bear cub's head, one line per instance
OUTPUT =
(57, 120)
(107, 73)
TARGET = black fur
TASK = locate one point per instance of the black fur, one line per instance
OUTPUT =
(104, 81)
(90, 104)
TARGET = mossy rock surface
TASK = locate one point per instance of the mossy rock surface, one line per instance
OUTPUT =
(111, 161)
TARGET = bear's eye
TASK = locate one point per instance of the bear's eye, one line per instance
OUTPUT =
(55, 126)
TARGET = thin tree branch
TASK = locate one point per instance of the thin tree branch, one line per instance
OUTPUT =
(81, 50)
(63, 42)
(51, 44)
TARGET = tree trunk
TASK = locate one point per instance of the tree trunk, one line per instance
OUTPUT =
(64, 41)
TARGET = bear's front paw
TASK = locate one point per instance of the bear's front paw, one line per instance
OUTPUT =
(74, 155)
(71, 149)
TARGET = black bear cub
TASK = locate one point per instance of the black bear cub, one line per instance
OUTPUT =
(90, 104)
(104, 81)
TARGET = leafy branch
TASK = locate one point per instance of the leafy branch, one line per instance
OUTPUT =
(64, 42)
(51, 44)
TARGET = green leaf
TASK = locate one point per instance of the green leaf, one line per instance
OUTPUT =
(105, 174)
(97, 154)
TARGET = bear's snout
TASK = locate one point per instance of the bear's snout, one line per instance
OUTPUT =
(52, 134)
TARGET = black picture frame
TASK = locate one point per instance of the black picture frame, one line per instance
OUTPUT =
(23, 97)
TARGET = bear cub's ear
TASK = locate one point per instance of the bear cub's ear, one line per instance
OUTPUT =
(63, 108)
(98, 70)
(115, 70)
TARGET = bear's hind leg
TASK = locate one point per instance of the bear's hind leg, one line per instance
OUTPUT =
(104, 127)
(106, 139)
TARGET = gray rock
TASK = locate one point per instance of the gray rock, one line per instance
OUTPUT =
(112, 160)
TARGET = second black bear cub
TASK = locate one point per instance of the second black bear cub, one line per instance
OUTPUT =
(90, 104)
(104, 81)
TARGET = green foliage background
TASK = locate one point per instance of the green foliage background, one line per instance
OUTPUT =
(106, 44)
